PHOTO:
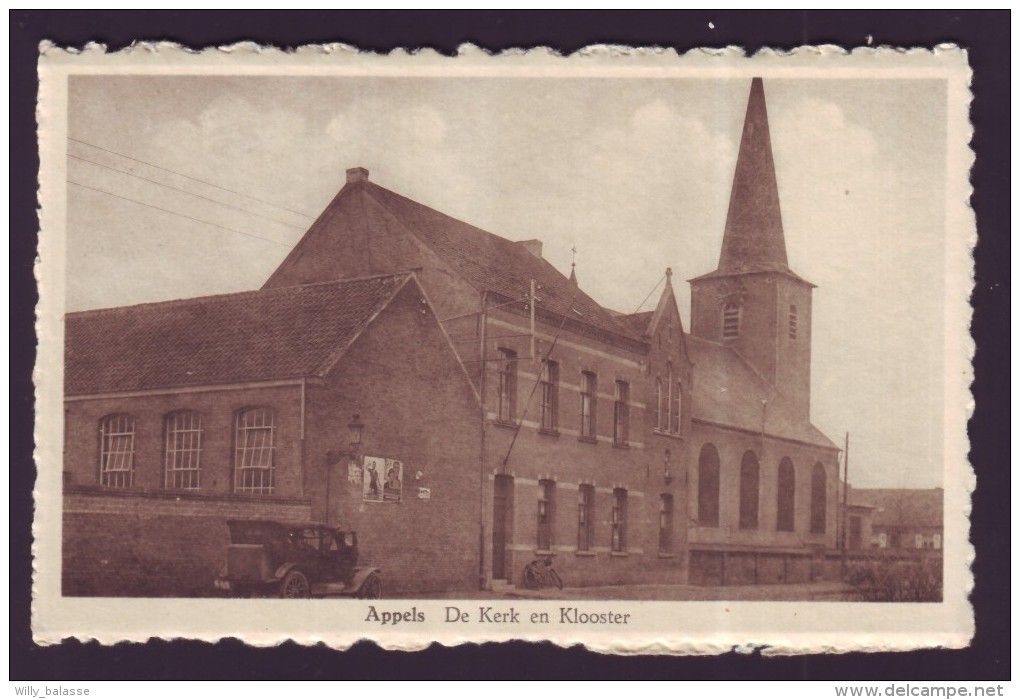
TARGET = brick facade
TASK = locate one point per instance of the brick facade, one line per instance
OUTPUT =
(400, 375)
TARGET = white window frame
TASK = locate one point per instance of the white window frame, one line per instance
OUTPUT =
(182, 461)
(254, 450)
(117, 451)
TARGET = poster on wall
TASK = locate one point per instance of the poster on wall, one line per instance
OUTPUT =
(382, 480)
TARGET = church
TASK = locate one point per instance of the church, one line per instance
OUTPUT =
(534, 421)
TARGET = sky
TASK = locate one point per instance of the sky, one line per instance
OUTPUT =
(634, 174)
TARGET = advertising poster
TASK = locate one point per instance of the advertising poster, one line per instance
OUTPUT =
(382, 479)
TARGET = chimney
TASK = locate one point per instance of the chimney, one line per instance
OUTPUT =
(533, 246)
(357, 175)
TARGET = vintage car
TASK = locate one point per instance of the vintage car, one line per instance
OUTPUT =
(295, 560)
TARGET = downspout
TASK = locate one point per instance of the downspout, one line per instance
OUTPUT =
(301, 438)
(482, 474)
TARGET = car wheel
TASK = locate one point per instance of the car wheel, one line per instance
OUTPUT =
(295, 585)
(371, 588)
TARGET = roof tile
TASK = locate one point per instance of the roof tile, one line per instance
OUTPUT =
(279, 333)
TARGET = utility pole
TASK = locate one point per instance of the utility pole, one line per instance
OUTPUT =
(483, 322)
(531, 306)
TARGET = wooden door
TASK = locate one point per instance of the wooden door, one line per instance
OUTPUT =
(501, 504)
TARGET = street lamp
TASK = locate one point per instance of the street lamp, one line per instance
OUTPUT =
(334, 457)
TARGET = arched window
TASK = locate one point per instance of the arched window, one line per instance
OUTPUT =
(670, 389)
(117, 451)
(254, 444)
(749, 486)
(730, 320)
(675, 427)
(659, 423)
(708, 486)
(183, 454)
(818, 498)
(786, 489)
(793, 322)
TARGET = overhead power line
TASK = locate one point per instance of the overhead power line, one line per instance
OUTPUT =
(188, 192)
(177, 213)
(189, 177)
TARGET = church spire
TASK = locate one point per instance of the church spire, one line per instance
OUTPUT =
(753, 238)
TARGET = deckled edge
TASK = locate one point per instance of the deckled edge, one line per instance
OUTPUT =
(50, 50)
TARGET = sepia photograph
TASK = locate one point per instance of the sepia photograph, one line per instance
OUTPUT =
(509, 344)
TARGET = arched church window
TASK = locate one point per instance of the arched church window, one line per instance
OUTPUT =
(818, 497)
(708, 486)
(659, 423)
(786, 490)
(749, 487)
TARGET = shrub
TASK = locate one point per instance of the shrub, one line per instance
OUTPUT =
(897, 580)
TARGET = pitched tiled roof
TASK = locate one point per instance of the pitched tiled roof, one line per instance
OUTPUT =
(490, 262)
(484, 260)
(281, 333)
(728, 391)
(901, 507)
(638, 323)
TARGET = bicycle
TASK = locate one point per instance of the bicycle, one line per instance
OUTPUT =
(540, 573)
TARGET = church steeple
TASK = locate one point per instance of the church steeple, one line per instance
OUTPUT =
(753, 303)
(753, 238)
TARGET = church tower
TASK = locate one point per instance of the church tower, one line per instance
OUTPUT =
(753, 302)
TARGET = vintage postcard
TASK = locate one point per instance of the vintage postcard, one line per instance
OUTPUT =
(646, 352)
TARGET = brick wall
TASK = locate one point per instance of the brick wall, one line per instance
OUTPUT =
(569, 460)
(217, 406)
(153, 545)
(404, 381)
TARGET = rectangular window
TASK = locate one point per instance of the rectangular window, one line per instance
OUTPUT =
(117, 451)
(182, 461)
(621, 413)
(507, 386)
(254, 445)
(666, 524)
(585, 508)
(619, 521)
(793, 322)
(918, 541)
(589, 385)
(550, 396)
(546, 505)
(936, 541)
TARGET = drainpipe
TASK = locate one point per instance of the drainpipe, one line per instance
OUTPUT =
(483, 321)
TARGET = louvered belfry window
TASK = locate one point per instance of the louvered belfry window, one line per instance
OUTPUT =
(731, 321)
(253, 451)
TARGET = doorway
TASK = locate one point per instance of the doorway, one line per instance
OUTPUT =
(502, 505)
